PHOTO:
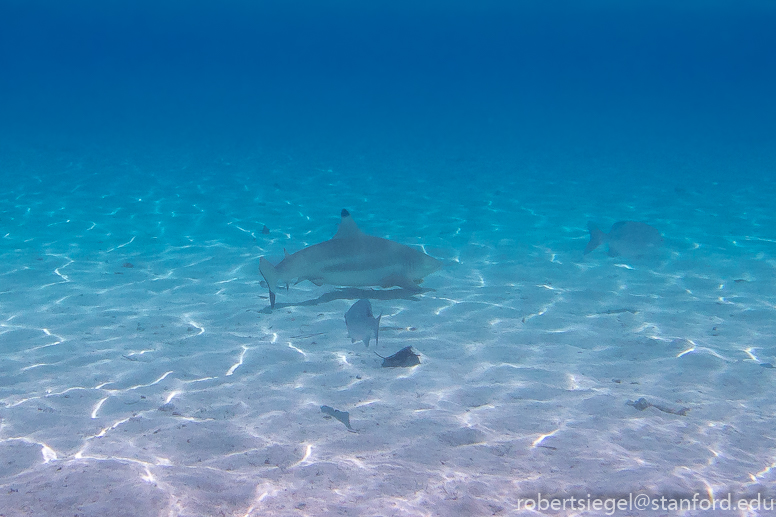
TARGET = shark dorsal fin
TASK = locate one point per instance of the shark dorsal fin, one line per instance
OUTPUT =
(347, 227)
(285, 253)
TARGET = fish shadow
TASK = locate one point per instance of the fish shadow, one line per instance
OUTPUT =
(354, 293)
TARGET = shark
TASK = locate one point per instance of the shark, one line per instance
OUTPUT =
(351, 258)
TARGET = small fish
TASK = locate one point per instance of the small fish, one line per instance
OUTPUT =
(404, 358)
(361, 323)
(642, 404)
(342, 416)
(626, 238)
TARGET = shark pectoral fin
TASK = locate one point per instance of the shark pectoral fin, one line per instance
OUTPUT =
(400, 281)
(270, 274)
(317, 281)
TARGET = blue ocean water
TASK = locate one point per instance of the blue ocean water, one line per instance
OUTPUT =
(151, 152)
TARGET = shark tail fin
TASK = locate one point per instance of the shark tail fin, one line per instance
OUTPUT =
(377, 329)
(270, 274)
(597, 238)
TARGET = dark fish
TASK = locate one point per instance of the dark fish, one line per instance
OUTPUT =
(361, 323)
(404, 358)
(626, 238)
(642, 404)
(342, 416)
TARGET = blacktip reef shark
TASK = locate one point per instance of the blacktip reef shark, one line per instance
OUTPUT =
(351, 259)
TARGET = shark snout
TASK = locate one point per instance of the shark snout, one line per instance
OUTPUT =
(427, 265)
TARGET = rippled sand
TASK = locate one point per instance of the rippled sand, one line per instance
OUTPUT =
(142, 372)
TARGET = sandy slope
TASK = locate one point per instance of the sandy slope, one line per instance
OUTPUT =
(142, 373)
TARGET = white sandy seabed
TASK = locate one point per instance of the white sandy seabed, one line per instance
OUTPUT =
(142, 372)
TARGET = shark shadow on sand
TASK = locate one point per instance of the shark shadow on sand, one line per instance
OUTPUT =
(353, 293)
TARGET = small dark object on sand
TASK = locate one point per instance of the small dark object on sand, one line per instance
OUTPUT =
(640, 404)
(766, 365)
(643, 404)
(404, 358)
(265, 230)
(342, 416)
(128, 265)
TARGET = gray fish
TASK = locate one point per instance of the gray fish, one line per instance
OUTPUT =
(342, 416)
(626, 238)
(361, 323)
(404, 358)
(351, 259)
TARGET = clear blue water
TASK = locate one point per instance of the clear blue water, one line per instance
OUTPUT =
(144, 147)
